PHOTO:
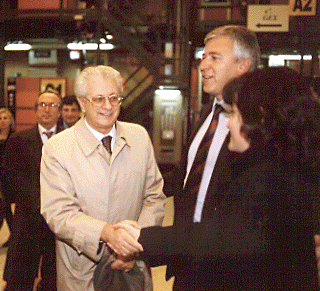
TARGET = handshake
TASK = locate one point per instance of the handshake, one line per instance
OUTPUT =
(123, 237)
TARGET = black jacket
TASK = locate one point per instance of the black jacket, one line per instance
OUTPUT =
(259, 235)
(30, 235)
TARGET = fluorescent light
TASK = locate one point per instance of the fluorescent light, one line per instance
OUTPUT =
(106, 46)
(82, 46)
(17, 47)
(279, 60)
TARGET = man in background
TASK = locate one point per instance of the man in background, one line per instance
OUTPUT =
(97, 173)
(70, 111)
(31, 244)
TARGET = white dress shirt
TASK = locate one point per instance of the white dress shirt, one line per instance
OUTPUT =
(42, 131)
(218, 140)
(100, 136)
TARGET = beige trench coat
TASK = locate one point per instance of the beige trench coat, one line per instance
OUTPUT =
(82, 188)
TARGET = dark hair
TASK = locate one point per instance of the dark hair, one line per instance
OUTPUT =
(69, 100)
(278, 112)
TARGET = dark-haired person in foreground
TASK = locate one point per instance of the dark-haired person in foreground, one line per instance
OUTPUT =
(261, 236)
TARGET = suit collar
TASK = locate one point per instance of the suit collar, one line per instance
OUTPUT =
(89, 143)
(122, 134)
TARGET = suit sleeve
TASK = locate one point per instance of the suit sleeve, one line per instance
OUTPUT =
(237, 229)
(210, 241)
(61, 208)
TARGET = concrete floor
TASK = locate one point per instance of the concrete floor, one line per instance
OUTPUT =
(158, 273)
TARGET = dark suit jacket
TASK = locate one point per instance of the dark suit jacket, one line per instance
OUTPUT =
(22, 180)
(259, 236)
(220, 175)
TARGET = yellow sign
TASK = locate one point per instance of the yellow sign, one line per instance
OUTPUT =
(302, 7)
(268, 18)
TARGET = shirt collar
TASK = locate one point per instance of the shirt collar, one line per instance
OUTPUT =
(42, 129)
(100, 135)
(226, 107)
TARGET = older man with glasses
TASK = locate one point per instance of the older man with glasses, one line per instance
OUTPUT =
(32, 244)
(98, 172)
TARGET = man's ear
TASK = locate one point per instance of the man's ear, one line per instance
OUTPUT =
(244, 66)
(81, 103)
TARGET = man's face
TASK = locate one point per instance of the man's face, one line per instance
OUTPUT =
(48, 111)
(219, 65)
(101, 118)
(70, 113)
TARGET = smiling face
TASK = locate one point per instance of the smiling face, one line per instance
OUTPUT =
(104, 117)
(219, 65)
(238, 140)
(70, 113)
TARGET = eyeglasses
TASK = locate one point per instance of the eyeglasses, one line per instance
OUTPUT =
(50, 105)
(98, 101)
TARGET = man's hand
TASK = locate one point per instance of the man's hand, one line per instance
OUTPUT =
(120, 241)
(132, 227)
(123, 263)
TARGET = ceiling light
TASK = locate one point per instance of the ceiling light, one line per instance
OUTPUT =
(82, 46)
(106, 46)
(17, 47)
(279, 60)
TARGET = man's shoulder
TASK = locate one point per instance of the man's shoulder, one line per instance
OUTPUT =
(62, 144)
(63, 136)
(130, 125)
(131, 128)
(134, 134)
(26, 133)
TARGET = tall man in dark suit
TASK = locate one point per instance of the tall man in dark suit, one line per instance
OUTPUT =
(32, 244)
(230, 51)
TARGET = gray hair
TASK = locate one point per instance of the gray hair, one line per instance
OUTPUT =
(245, 42)
(80, 87)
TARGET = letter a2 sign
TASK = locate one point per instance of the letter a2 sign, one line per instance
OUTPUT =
(302, 7)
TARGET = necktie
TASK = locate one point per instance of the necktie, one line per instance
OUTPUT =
(106, 141)
(48, 133)
(194, 178)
